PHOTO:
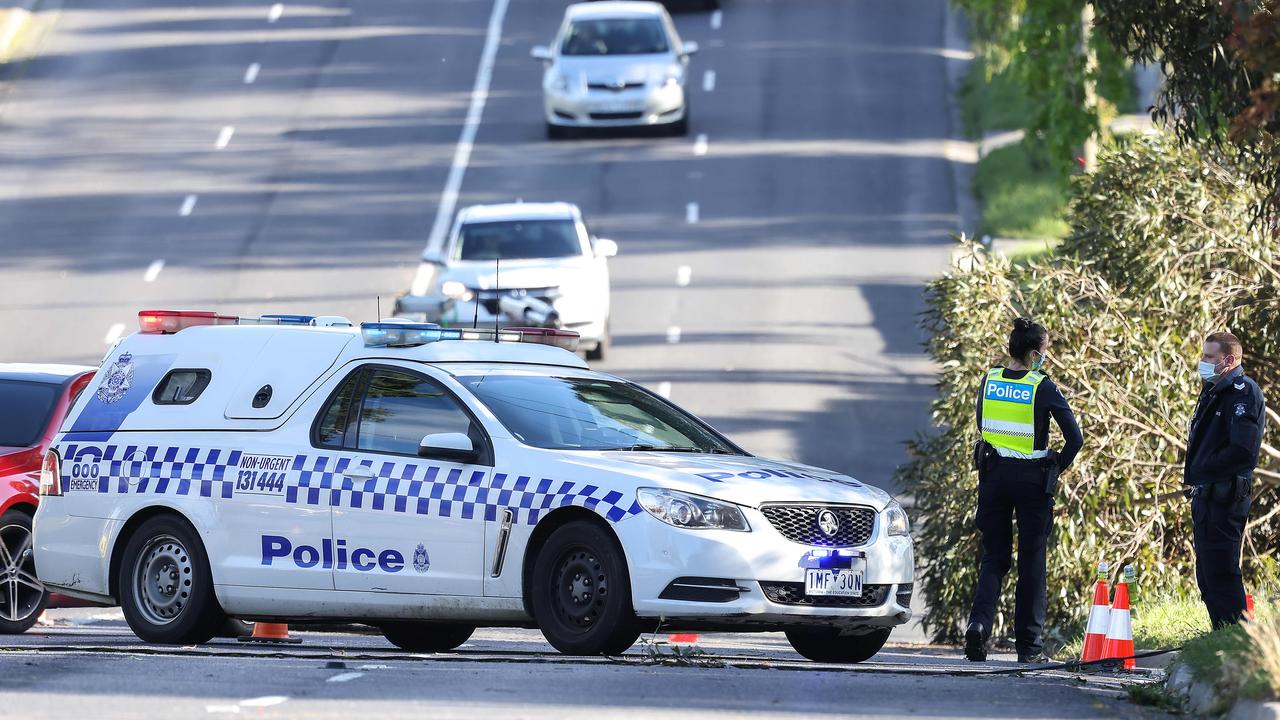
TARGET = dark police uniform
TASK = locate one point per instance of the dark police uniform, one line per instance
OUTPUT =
(1010, 485)
(1222, 451)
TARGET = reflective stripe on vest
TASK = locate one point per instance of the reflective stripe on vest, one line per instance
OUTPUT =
(1009, 412)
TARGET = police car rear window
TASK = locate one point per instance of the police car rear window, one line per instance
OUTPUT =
(181, 386)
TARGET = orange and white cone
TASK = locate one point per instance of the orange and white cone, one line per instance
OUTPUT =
(265, 632)
(1119, 643)
(1095, 635)
(683, 638)
(1248, 607)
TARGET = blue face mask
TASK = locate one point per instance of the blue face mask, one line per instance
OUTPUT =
(1038, 362)
(1208, 371)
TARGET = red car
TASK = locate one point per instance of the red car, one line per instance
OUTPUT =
(33, 401)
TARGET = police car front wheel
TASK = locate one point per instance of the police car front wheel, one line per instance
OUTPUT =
(828, 645)
(166, 589)
(582, 593)
(426, 636)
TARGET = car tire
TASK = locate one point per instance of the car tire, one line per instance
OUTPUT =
(556, 132)
(166, 588)
(233, 628)
(424, 637)
(828, 645)
(582, 592)
(22, 596)
(680, 128)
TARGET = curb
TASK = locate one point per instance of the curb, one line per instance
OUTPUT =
(1201, 698)
(1253, 710)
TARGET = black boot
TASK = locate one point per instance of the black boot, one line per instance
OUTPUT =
(975, 643)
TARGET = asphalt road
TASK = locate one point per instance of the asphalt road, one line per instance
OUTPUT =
(86, 664)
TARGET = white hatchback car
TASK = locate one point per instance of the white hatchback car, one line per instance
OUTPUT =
(428, 481)
(615, 64)
(517, 264)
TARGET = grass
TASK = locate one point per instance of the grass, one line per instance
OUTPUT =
(1158, 624)
(1023, 196)
(991, 105)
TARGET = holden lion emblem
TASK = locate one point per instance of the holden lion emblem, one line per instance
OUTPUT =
(828, 523)
(420, 560)
(119, 379)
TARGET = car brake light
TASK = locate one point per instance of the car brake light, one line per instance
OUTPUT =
(51, 475)
(171, 321)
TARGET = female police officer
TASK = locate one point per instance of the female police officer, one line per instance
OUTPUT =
(1017, 475)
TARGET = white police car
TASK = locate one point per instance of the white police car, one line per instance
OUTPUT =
(428, 481)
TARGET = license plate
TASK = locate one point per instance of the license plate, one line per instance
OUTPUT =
(840, 583)
(616, 107)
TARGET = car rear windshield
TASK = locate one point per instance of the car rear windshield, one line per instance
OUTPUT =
(518, 240)
(571, 413)
(615, 36)
(25, 408)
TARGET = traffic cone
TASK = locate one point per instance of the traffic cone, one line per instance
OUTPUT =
(682, 638)
(1248, 606)
(1119, 643)
(264, 632)
(1095, 634)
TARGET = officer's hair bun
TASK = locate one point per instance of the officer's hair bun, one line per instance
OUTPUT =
(1023, 324)
(1027, 336)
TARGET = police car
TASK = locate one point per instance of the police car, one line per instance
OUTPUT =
(428, 481)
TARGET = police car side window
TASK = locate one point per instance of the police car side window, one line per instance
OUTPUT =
(399, 408)
(331, 428)
(181, 387)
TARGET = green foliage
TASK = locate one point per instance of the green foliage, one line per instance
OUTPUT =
(1022, 193)
(1161, 252)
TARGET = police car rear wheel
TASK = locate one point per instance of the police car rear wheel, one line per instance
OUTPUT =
(829, 646)
(22, 596)
(582, 594)
(166, 589)
(427, 636)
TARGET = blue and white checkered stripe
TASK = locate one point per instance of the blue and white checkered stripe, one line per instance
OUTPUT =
(398, 486)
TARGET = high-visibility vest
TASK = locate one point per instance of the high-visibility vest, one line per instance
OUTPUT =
(1009, 412)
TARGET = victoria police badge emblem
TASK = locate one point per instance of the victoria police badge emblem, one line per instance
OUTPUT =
(1240, 409)
(420, 560)
(119, 379)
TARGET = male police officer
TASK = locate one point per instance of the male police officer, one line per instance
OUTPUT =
(1222, 451)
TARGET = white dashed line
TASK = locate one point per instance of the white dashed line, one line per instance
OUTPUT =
(684, 273)
(275, 12)
(222, 709)
(188, 204)
(224, 137)
(113, 333)
(345, 677)
(462, 154)
(251, 73)
(700, 145)
(265, 701)
(717, 19)
(153, 271)
(673, 334)
(664, 389)
(691, 213)
(709, 81)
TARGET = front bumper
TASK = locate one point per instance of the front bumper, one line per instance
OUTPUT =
(766, 569)
(630, 108)
(466, 313)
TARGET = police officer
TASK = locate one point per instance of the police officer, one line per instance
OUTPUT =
(1017, 476)
(1222, 451)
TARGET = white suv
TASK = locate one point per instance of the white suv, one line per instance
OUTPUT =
(530, 264)
(428, 481)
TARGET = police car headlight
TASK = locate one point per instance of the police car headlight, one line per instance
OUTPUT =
(895, 520)
(691, 512)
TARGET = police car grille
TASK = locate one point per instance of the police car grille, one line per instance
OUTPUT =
(787, 593)
(799, 523)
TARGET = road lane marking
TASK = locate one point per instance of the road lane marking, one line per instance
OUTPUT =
(153, 271)
(683, 274)
(717, 19)
(709, 81)
(673, 334)
(251, 73)
(222, 709)
(664, 389)
(275, 12)
(265, 701)
(113, 333)
(462, 154)
(188, 204)
(345, 677)
(224, 137)
(700, 145)
(691, 213)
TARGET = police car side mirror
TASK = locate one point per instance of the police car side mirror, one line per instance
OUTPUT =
(433, 257)
(605, 248)
(690, 48)
(541, 52)
(455, 447)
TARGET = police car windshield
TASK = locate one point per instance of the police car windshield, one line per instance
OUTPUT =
(518, 240)
(27, 407)
(574, 413)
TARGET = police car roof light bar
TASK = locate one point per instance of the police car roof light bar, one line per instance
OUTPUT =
(563, 339)
(402, 334)
(164, 322)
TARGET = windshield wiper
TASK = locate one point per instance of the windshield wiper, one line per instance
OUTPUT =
(661, 448)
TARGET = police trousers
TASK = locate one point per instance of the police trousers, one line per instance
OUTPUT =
(1009, 489)
(1218, 515)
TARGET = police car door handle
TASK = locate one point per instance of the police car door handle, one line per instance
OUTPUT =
(359, 472)
(504, 535)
